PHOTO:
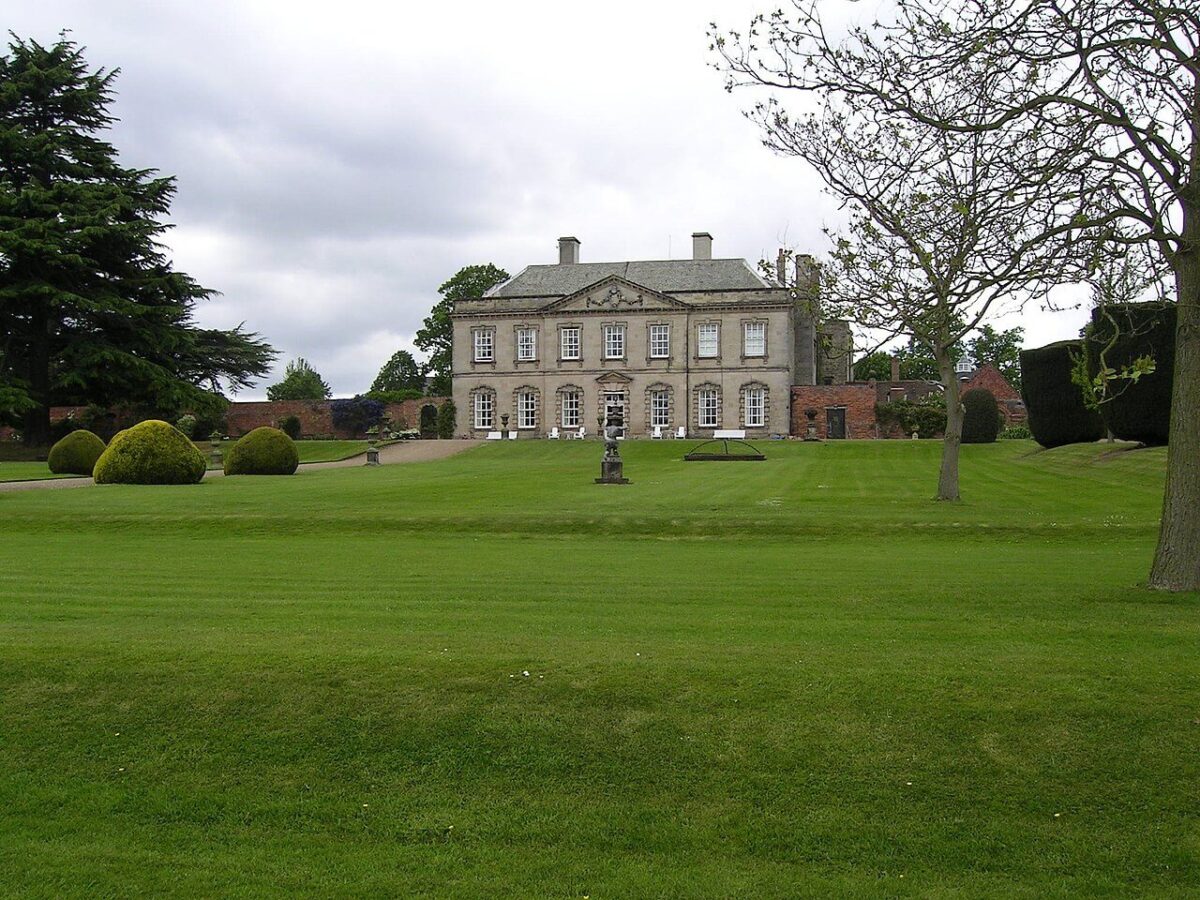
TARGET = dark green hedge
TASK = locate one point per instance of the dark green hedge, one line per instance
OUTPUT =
(1057, 412)
(151, 452)
(264, 451)
(981, 417)
(75, 454)
(1141, 410)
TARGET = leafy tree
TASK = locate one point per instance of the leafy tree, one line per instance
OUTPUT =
(400, 373)
(92, 310)
(300, 382)
(877, 366)
(1001, 349)
(1110, 84)
(436, 336)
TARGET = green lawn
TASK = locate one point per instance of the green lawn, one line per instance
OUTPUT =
(791, 678)
(26, 471)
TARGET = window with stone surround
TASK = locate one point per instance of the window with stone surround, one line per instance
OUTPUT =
(660, 341)
(526, 402)
(483, 403)
(526, 344)
(485, 344)
(570, 405)
(660, 408)
(754, 406)
(754, 338)
(708, 406)
(614, 341)
(568, 343)
(708, 340)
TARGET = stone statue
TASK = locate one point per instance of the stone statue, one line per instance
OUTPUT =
(611, 429)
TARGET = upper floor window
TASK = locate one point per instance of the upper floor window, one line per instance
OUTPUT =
(485, 345)
(755, 400)
(708, 408)
(526, 343)
(754, 339)
(709, 340)
(569, 343)
(614, 341)
(660, 341)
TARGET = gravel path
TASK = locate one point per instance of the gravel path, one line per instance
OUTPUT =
(401, 452)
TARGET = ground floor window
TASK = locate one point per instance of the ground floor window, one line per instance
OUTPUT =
(756, 407)
(708, 408)
(660, 409)
(572, 414)
(527, 409)
(485, 410)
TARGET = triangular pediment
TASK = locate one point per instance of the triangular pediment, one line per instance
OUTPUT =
(613, 378)
(616, 294)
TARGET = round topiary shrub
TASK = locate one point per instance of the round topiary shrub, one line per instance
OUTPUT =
(1057, 412)
(150, 452)
(981, 417)
(75, 454)
(264, 451)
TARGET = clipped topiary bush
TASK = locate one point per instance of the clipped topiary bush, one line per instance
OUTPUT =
(264, 451)
(1057, 412)
(981, 417)
(446, 420)
(290, 425)
(1122, 333)
(75, 454)
(150, 452)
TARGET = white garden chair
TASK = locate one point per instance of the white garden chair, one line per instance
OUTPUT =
(553, 435)
(657, 434)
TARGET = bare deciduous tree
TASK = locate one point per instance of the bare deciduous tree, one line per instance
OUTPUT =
(1125, 72)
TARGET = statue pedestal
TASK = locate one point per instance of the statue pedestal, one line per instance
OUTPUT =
(810, 433)
(610, 471)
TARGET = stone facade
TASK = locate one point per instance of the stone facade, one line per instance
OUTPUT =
(702, 343)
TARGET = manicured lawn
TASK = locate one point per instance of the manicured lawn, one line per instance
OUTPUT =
(310, 451)
(26, 471)
(790, 678)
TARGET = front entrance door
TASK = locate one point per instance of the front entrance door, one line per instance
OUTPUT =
(616, 404)
(835, 423)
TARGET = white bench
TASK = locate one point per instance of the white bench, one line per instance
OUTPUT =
(729, 434)
(495, 436)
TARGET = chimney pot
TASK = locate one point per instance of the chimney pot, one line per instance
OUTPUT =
(701, 245)
(568, 251)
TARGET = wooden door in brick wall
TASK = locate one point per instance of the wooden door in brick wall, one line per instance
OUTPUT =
(835, 423)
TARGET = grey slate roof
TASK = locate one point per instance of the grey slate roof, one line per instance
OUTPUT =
(659, 275)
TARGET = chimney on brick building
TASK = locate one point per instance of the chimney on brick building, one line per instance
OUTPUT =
(701, 245)
(568, 251)
(895, 368)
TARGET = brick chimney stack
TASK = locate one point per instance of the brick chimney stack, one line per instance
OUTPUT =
(895, 368)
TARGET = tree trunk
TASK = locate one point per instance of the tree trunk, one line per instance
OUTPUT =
(1177, 559)
(35, 431)
(948, 478)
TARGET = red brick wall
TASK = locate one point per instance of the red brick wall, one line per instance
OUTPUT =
(858, 399)
(989, 377)
(314, 415)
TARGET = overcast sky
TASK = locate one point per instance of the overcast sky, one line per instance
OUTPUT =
(337, 162)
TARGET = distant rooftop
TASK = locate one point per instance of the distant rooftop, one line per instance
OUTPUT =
(664, 275)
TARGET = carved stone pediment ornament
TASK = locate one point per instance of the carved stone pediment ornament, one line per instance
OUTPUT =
(614, 299)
